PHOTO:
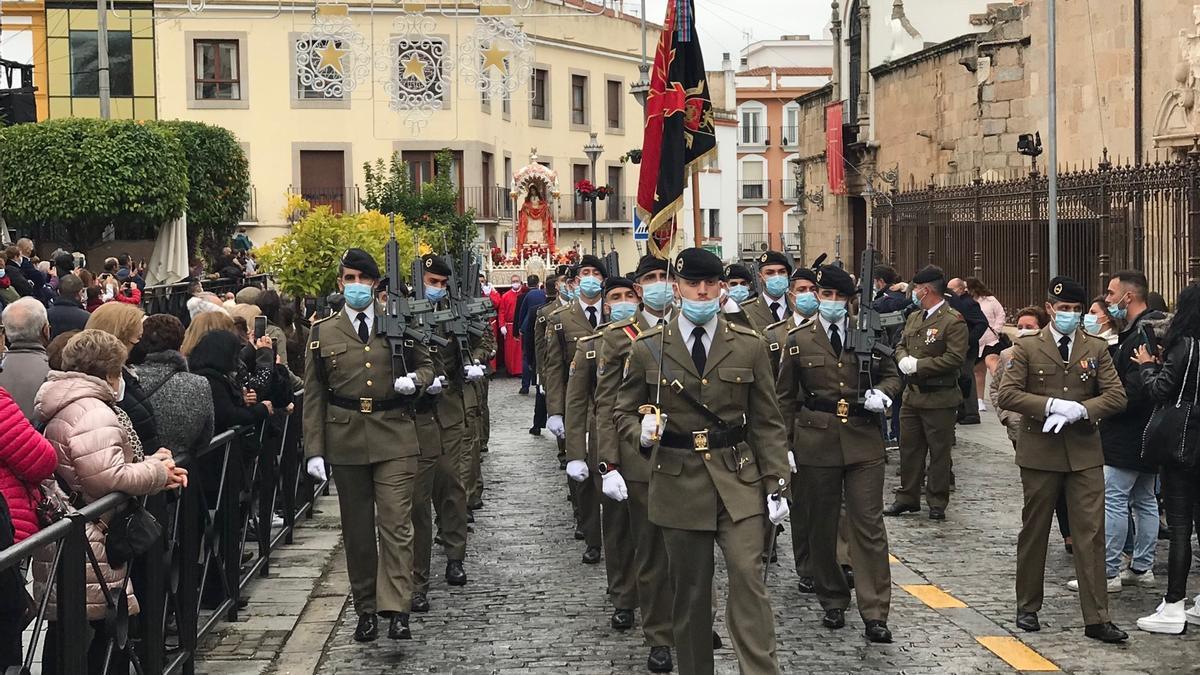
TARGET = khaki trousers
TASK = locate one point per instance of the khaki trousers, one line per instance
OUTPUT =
(650, 562)
(439, 487)
(747, 607)
(377, 499)
(1085, 512)
(799, 517)
(619, 547)
(926, 432)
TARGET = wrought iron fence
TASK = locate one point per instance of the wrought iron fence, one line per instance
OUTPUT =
(172, 298)
(1142, 216)
(217, 535)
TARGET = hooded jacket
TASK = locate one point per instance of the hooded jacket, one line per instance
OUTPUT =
(95, 458)
(26, 459)
(216, 358)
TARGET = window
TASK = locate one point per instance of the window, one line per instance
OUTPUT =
(537, 102)
(712, 220)
(612, 101)
(314, 83)
(579, 172)
(791, 125)
(485, 91)
(579, 85)
(420, 76)
(506, 104)
(85, 77)
(751, 127)
(217, 76)
(615, 203)
(753, 185)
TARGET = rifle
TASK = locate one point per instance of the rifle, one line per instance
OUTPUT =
(426, 321)
(399, 320)
(863, 338)
(468, 313)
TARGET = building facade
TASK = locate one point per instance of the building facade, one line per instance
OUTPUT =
(22, 41)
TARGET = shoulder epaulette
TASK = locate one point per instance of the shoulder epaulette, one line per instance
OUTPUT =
(801, 326)
(325, 319)
(778, 324)
(651, 332)
(953, 312)
(631, 330)
(586, 338)
(747, 303)
(737, 327)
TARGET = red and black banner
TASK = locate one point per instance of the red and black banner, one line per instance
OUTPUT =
(679, 132)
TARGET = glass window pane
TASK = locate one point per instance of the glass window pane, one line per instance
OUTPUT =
(229, 61)
(120, 63)
(84, 78)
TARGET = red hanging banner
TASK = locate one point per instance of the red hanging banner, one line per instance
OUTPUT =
(834, 159)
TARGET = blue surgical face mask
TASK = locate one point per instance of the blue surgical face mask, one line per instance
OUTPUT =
(806, 303)
(1066, 322)
(568, 293)
(777, 285)
(434, 293)
(916, 301)
(658, 295)
(1091, 324)
(833, 311)
(619, 311)
(590, 287)
(700, 312)
(1118, 312)
(739, 293)
(358, 296)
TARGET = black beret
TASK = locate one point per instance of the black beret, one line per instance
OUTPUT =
(1066, 289)
(775, 258)
(738, 271)
(835, 278)
(589, 260)
(649, 263)
(617, 282)
(805, 273)
(561, 270)
(435, 264)
(928, 275)
(572, 272)
(358, 259)
(697, 264)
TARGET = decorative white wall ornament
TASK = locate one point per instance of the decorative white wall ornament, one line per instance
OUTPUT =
(332, 58)
(496, 58)
(418, 67)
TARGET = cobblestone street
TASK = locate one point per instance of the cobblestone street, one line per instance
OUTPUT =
(532, 607)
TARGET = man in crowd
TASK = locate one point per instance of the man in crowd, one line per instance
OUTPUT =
(739, 288)
(977, 325)
(24, 365)
(770, 306)
(532, 331)
(513, 362)
(532, 298)
(66, 310)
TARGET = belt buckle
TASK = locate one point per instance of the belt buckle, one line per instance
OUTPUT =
(366, 405)
(700, 440)
(843, 410)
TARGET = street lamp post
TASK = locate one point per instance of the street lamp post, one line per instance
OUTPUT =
(593, 150)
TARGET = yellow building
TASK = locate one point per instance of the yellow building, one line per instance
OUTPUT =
(23, 40)
(413, 79)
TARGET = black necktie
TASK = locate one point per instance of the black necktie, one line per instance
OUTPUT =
(1064, 348)
(364, 333)
(699, 356)
(835, 339)
(775, 310)
(592, 316)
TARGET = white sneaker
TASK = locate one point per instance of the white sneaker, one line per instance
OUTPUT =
(982, 406)
(1113, 585)
(1168, 618)
(1130, 578)
(1193, 614)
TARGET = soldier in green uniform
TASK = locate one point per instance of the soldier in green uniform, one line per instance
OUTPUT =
(739, 288)
(563, 297)
(718, 453)
(839, 451)
(930, 353)
(1062, 382)
(358, 418)
(476, 400)
(624, 471)
(770, 306)
(577, 320)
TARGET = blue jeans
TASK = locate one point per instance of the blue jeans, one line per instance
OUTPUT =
(1126, 490)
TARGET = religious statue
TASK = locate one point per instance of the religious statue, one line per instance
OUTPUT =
(535, 223)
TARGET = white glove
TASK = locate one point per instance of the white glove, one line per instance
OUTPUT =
(503, 331)
(613, 486)
(792, 461)
(436, 386)
(1054, 424)
(541, 390)
(554, 424)
(649, 430)
(577, 470)
(777, 509)
(405, 385)
(876, 401)
(474, 372)
(1072, 410)
(316, 469)
(908, 365)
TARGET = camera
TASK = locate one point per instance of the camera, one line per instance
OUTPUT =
(1030, 145)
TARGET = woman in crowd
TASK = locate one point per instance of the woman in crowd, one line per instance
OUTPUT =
(12, 270)
(1167, 377)
(98, 453)
(202, 324)
(1100, 323)
(182, 401)
(991, 343)
(125, 323)
(215, 357)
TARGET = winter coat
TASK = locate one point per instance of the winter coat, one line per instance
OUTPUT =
(26, 459)
(140, 411)
(66, 314)
(1121, 434)
(95, 457)
(23, 286)
(182, 403)
(216, 358)
(1161, 382)
(23, 369)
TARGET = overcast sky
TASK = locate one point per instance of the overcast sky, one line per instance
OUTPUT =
(728, 25)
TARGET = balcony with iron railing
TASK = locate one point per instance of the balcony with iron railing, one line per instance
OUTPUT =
(614, 209)
(756, 242)
(489, 203)
(754, 191)
(753, 136)
(790, 136)
(790, 194)
(338, 199)
(250, 211)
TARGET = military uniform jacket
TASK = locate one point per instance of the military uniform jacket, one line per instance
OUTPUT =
(1036, 373)
(939, 343)
(615, 344)
(539, 336)
(776, 336)
(357, 371)
(758, 311)
(811, 369)
(564, 328)
(739, 317)
(579, 415)
(689, 488)
(452, 402)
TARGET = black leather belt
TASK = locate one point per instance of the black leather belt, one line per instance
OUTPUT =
(930, 388)
(700, 441)
(366, 405)
(841, 408)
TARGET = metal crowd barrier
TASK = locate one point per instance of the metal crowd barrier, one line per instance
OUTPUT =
(195, 574)
(172, 298)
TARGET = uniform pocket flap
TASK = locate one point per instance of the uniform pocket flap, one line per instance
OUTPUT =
(1043, 367)
(812, 419)
(668, 463)
(736, 375)
(810, 361)
(337, 415)
(652, 376)
(333, 350)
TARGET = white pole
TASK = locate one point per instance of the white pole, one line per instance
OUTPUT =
(1052, 168)
(102, 57)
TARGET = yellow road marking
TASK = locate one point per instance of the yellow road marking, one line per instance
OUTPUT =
(893, 559)
(1017, 654)
(933, 596)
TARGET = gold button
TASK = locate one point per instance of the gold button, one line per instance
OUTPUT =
(739, 379)
(1039, 372)
(1065, 389)
(707, 456)
(704, 381)
(664, 381)
(839, 365)
(810, 363)
(368, 364)
(367, 348)
(841, 384)
(658, 466)
(369, 383)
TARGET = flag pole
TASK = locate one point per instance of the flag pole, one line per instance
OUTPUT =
(697, 225)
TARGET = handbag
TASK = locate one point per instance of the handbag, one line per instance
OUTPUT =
(131, 533)
(1172, 432)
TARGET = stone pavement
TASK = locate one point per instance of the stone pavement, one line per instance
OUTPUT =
(532, 607)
